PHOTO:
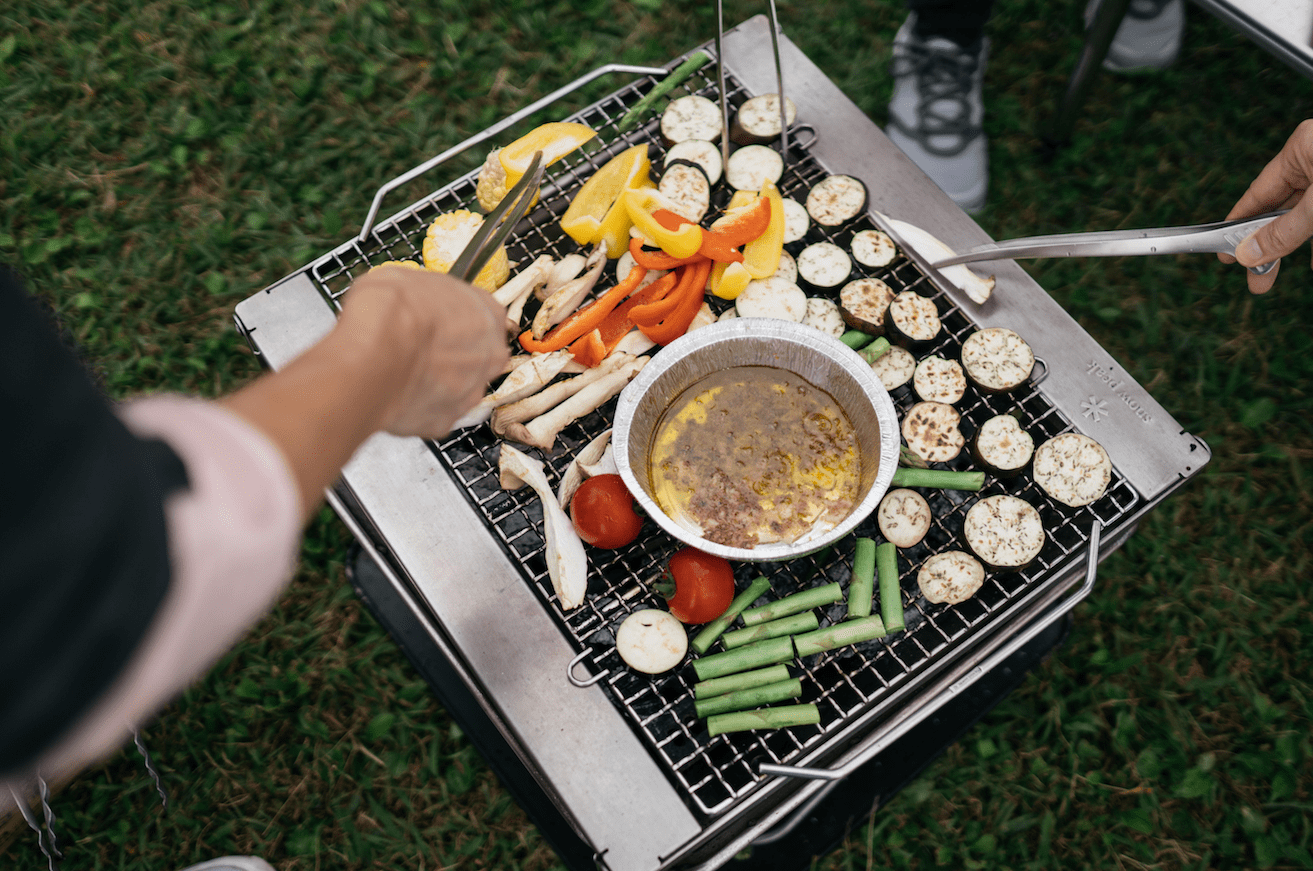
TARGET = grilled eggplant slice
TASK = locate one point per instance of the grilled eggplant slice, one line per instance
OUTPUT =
(932, 431)
(686, 185)
(903, 517)
(1005, 532)
(1002, 447)
(952, 576)
(773, 297)
(758, 119)
(939, 380)
(823, 314)
(997, 359)
(913, 320)
(1073, 469)
(873, 248)
(836, 199)
(651, 641)
(690, 117)
(752, 166)
(788, 268)
(796, 221)
(705, 154)
(894, 368)
(865, 304)
(824, 266)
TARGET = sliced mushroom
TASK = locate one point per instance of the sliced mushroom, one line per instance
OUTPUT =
(975, 286)
(567, 564)
(585, 458)
(550, 396)
(535, 373)
(516, 292)
(567, 269)
(541, 432)
(565, 300)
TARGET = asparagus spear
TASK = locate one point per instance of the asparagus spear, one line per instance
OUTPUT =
(702, 642)
(862, 585)
(941, 479)
(676, 77)
(766, 718)
(743, 680)
(749, 698)
(804, 622)
(794, 604)
(767, 652)
(838, 635)
(891, 595)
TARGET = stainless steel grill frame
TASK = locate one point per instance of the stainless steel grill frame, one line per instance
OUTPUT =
(869, 694)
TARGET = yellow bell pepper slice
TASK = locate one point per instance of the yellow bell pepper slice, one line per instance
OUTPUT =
(761, 256)
(683, 242)
(586, 219)
(728, 280)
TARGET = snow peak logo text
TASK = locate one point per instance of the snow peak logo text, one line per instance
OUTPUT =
(1117, 386)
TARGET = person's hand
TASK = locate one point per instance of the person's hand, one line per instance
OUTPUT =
(447, 337)
(1281, 185)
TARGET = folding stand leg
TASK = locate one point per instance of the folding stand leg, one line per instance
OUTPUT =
(1107, 18)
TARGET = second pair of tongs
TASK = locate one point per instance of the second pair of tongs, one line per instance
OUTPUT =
(1219, 238)
(499, 223)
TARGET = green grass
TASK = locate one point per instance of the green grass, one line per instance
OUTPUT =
(162, 163)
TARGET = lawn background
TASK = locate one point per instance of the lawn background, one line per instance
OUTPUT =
(163, 161)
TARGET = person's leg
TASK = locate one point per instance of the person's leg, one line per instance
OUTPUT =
(937, 110)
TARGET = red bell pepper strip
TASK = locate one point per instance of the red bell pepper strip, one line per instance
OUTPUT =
(585, 319)
(617, 325)
(650, 258)
(692, 283)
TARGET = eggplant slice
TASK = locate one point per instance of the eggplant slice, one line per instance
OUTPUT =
(904, 517)
(1005, 532)
(758, 119)
(773, 297)
(796, 221)
(932, 431)
(1072, 468)
(997, 359)
(873, 248)
(952, 577)
(752, 166)
(894, 368)
(1002, 447)
(823, 314)
(690, 117)
(824, 265)
(939, 380)
(705, 154)
(865, 304)
(687, 186)
(836, 199)
(913, 320)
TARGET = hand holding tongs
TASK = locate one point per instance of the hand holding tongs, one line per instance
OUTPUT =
(1218, 238)
(499, 223)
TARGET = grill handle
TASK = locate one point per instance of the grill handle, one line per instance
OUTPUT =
(492, 131)
(1023, 638)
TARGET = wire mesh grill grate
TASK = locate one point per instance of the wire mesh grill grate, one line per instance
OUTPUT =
(712, 774)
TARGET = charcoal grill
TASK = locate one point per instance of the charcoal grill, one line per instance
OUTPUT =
(615, 762)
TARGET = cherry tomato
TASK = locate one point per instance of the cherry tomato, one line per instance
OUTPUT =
(704, 586)
(603, 512)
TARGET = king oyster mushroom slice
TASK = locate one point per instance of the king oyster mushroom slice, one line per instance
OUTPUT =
(541, 432)
(565, 270)
(552, 395)
(975, 286)
(528, 378)
(577, 472)
(567, 564)
(513, 294)
(560, 304)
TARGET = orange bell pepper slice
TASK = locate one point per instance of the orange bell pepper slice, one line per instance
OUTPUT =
(656, 258)
(617, 324)
(589, 349)
(736, 227)
(585, 319)
(689, 294)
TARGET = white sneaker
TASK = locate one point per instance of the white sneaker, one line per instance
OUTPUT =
(232, 863)
(936, 112)
(1149, 37)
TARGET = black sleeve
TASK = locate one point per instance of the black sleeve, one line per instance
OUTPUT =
(83, 554)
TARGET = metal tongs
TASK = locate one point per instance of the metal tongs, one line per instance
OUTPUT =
(499, 223)
(1218, 238)
(779, 79)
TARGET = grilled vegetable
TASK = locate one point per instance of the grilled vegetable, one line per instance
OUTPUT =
(931, 431)
(796, 220)
(651, 641)
(751, 166)
(749, 656)
(676, 78)
(795, 603)
(997, 360)
(758, 119)
(687, 187)
(719, 686)
(602, 511)
(939, 380)
(594, 458)
(861, 587)
(772, 298)
(874, 351)
(791, 625)
(824, 315)
(1072, 468)
(749, 698)
(952, 577)
(567, 565)
(779, 717)
(690, 117)
(836, 199)
(865, 304)
(703, 640)
(596, 215)
(912, 321)
(891, 592)
(1002, 446)
(894, 368)
(856, 339)
(506, 166)
(448, 235)
(873, 248)
(698, 587)
(824, 265)
(700, 151)
(839, 635)
(788, 268)
(903, 517)
(938, 479)
(1004, 531)
(977, 288)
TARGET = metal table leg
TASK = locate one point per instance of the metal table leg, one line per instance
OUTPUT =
(1107, 18)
